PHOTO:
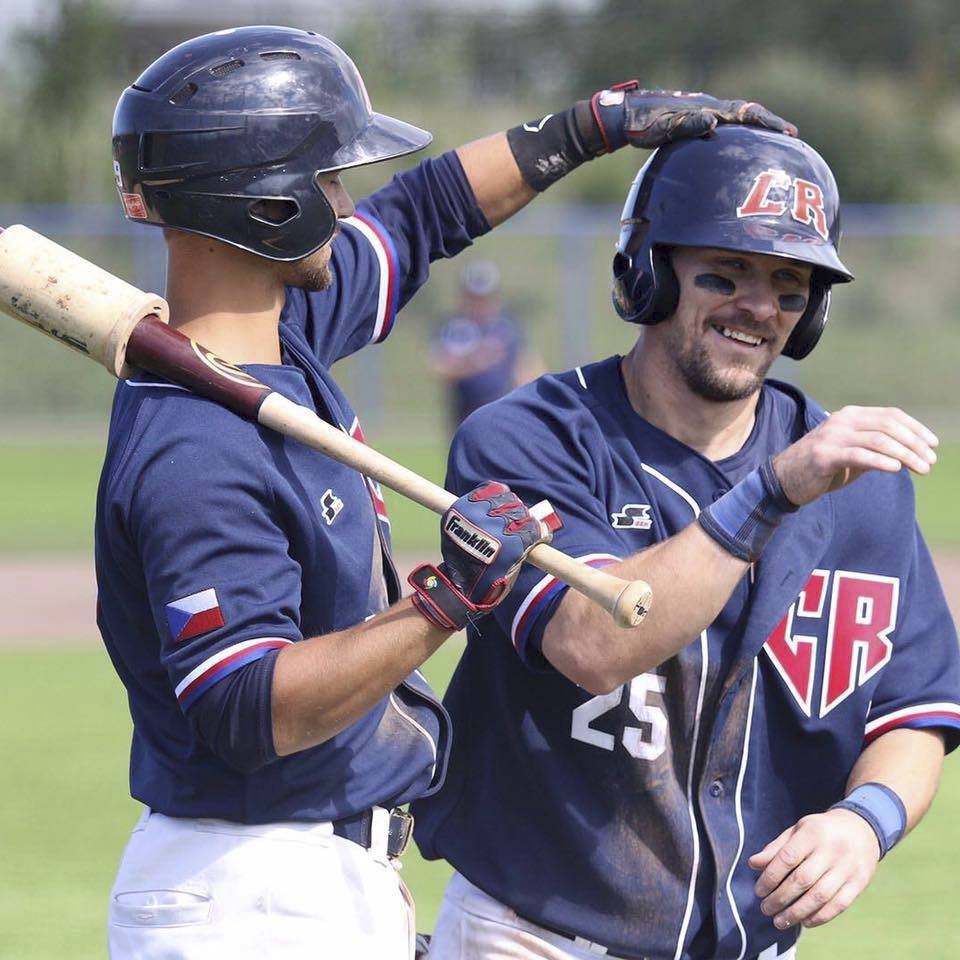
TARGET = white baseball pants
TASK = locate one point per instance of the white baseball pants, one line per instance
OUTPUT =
(474, 926)
(212, 890)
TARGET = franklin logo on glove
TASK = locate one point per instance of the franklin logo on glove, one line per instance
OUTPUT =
(481, 555)
(471, 538)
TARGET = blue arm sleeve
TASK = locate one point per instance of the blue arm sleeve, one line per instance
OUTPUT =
(235, 720)
(920, 687)
(222, 585)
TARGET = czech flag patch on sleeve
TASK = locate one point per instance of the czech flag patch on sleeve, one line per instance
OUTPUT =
(193, 615)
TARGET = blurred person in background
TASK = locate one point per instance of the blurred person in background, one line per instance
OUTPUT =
(481, 351)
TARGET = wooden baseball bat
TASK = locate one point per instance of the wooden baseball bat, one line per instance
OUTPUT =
(90, 310)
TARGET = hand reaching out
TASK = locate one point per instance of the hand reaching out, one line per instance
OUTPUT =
(815, 869)
(850, 442)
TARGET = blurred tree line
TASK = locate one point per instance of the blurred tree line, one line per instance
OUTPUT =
(874, 85)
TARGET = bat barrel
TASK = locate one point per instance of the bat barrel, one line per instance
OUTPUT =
(70, 299)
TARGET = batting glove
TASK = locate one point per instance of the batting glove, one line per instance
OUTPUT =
(651, 118)
(484, 538)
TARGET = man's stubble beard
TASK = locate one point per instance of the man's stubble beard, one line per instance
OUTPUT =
(312, 274)
(313, 279)
(701, 375)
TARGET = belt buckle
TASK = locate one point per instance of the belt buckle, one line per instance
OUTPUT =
(400, 832)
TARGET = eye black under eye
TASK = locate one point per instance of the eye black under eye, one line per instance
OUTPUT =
(792, 302)
(715, 283)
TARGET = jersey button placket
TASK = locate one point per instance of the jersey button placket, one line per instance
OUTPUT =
(716, 788)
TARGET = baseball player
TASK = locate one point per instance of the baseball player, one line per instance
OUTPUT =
(706, 785)
(480, 351)
(246, 592)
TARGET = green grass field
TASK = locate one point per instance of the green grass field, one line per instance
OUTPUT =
(65, 815)
(47, 496)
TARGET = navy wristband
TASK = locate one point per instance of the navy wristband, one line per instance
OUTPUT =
(882, 808)
(744, 519)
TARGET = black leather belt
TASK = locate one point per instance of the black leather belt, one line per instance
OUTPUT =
(359, 829)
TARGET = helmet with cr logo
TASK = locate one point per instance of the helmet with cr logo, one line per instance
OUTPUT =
(739, 188)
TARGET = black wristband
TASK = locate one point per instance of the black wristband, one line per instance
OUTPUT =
(549, 148)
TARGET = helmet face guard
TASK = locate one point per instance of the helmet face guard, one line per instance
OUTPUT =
(229, 119)
(740, 189)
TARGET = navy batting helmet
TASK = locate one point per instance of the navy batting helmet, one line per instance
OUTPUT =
(739, 188)
(230, 119)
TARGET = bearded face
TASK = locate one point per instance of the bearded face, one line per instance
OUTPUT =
(734, 315)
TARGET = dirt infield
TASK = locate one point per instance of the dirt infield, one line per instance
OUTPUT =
(51, 600)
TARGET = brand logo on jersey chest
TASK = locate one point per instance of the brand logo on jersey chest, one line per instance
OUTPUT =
(860, 612)
(472, 539)
(632, 516)
(330, 506)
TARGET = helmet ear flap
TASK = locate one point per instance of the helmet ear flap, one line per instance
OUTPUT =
(627, 300)
(666, 287)
(644, 294)
(810, 326)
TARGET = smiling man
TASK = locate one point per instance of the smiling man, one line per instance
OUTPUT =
(700, 787)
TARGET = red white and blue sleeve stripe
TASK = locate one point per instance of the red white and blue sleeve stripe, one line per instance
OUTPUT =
(376, 493)
(388, 293)
(917, 716)
(539, 598)
(222, 664)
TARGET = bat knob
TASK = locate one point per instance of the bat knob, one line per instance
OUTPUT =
(632, 604)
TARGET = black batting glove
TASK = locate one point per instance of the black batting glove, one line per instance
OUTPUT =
(484, 538)
(626, 114)
(549, 148)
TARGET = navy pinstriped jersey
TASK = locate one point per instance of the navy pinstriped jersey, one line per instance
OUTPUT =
(218, 541)
(628, 818)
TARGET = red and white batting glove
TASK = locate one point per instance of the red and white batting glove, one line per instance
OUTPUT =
(484, 538)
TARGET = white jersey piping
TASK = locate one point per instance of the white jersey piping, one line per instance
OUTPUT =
(738, 806)
(382, 260)
(704, 663)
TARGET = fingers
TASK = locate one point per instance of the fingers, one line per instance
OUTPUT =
(808, 880)
(688, 124)
(757, 115)
(888, 448)
(915, 443)
(818, 898)
(753, 114)
(839, 902)
(792, 852)
(891, 433)
(889, 419)
(760, 859)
